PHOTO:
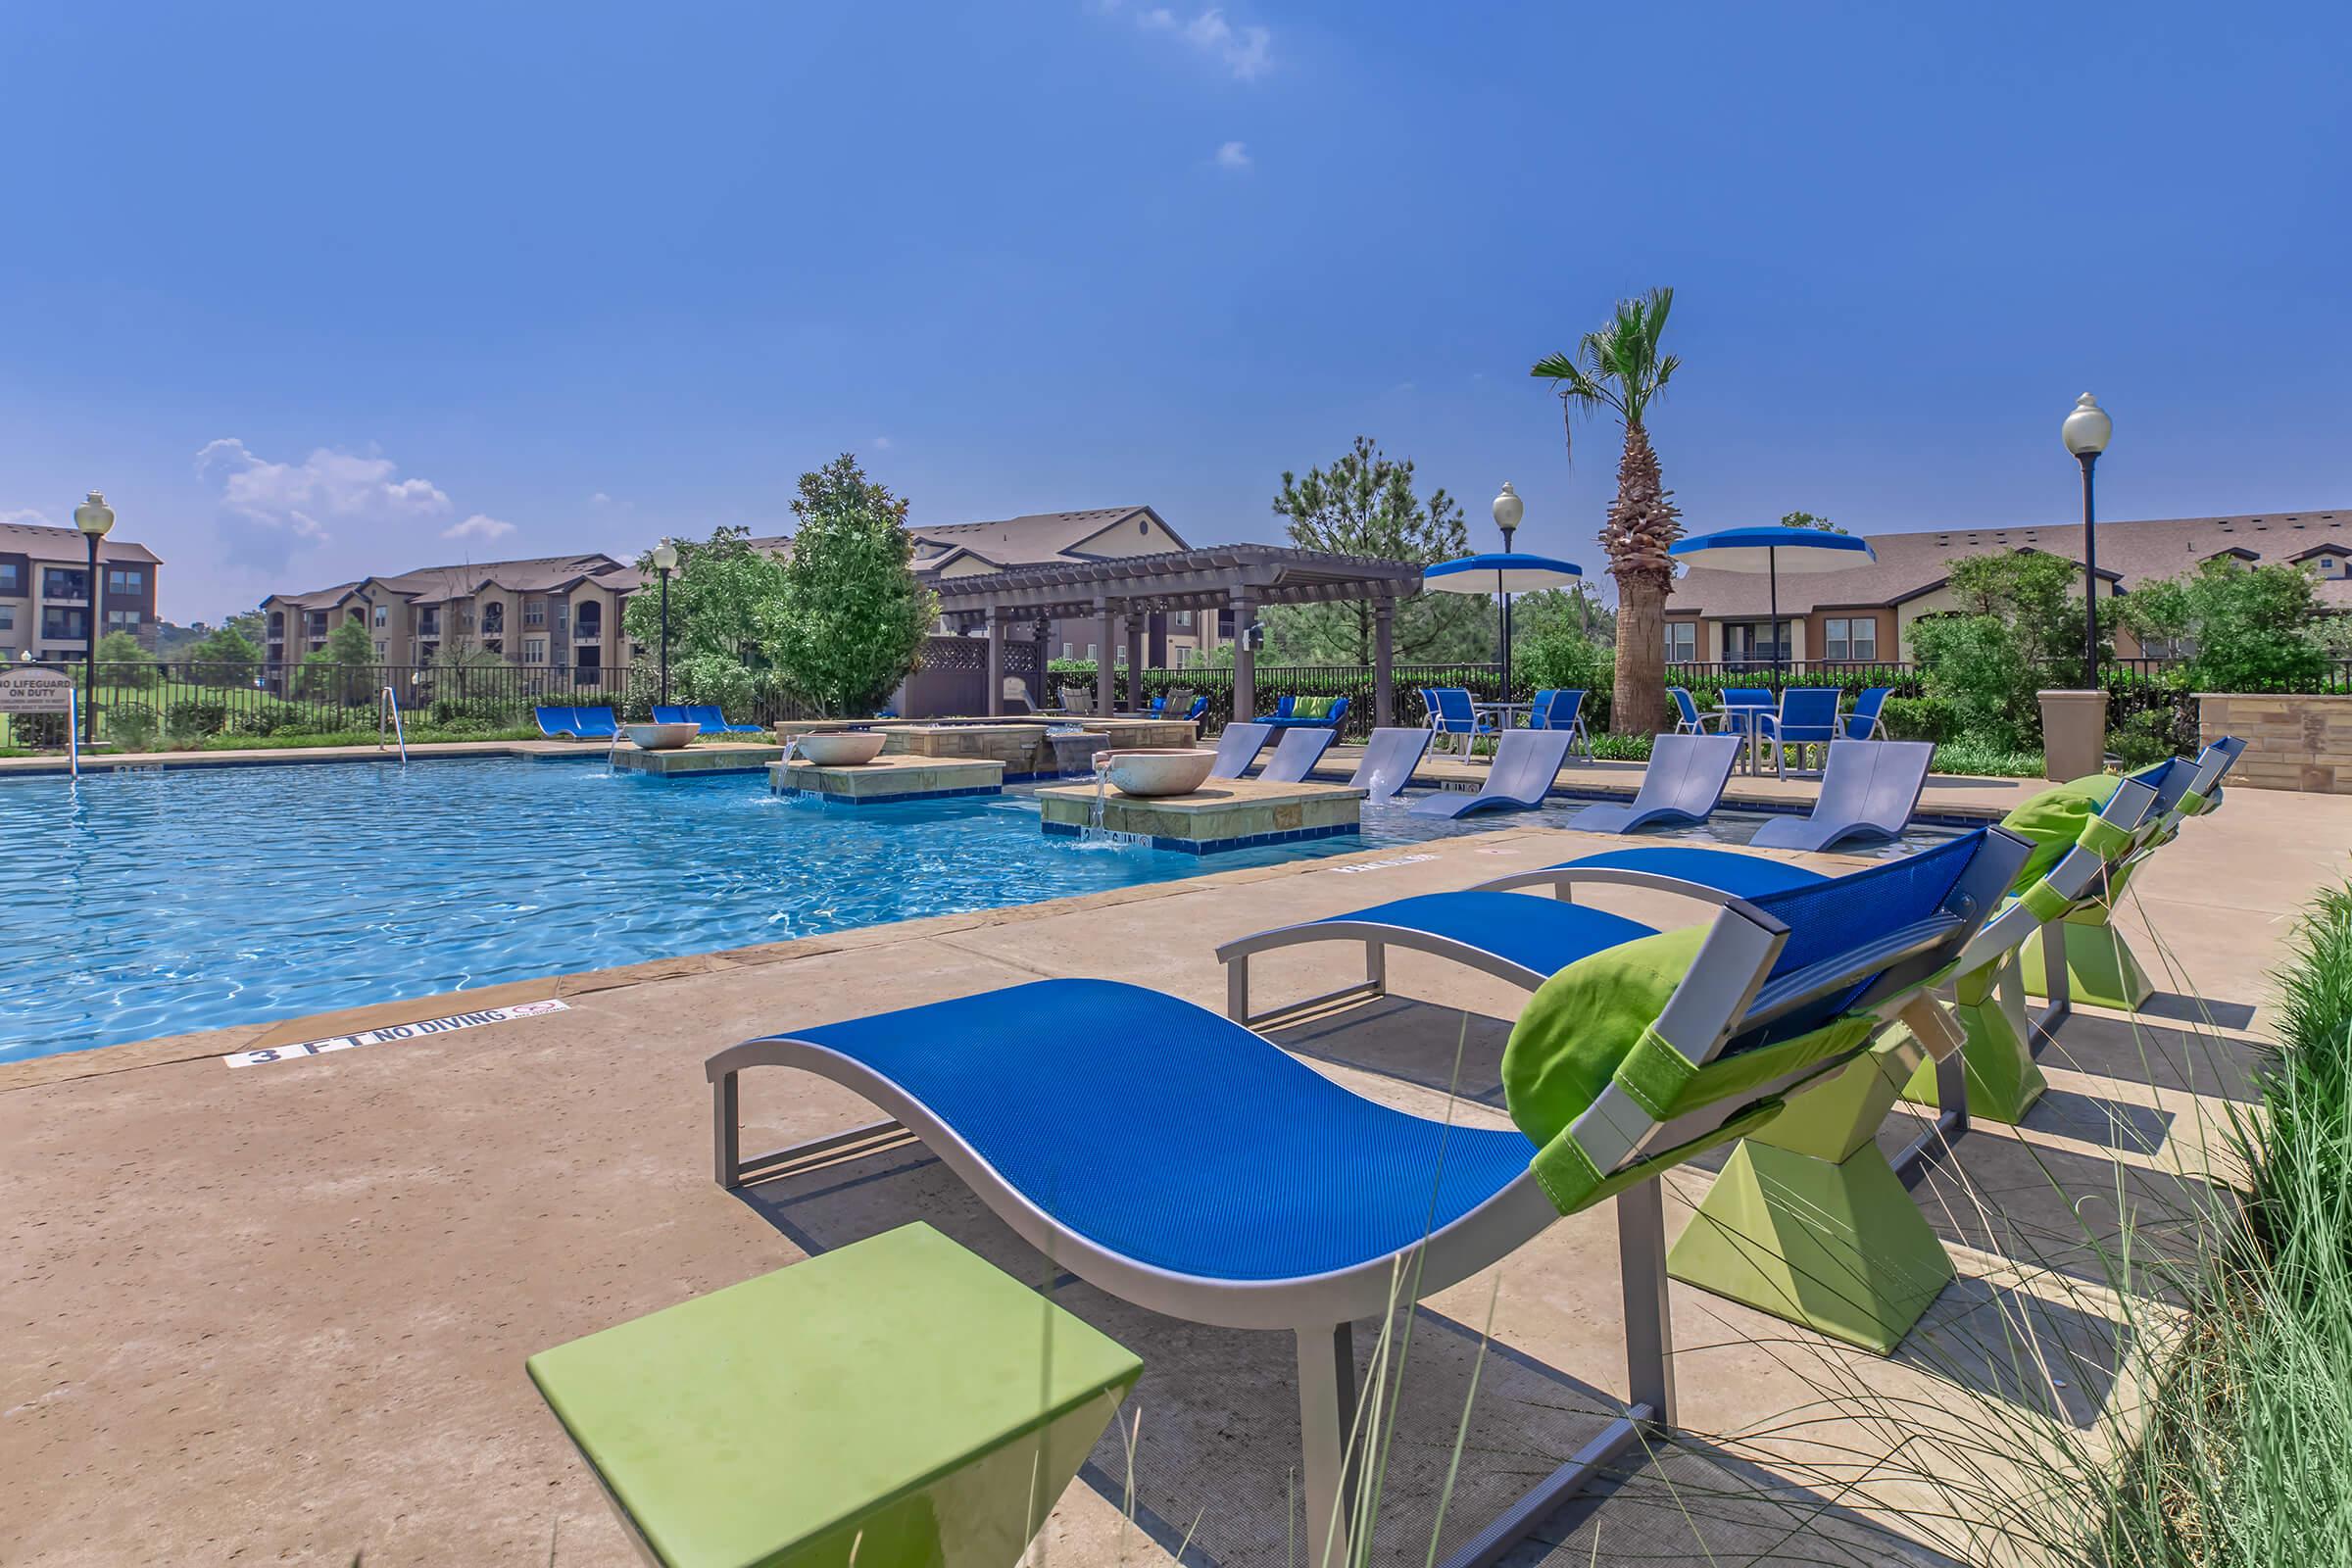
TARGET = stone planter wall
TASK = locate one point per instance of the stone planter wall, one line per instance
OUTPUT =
(2294, 740)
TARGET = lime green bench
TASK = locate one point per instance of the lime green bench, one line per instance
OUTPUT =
(897, 1397)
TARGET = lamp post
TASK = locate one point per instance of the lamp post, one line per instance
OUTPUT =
(93, 517)
(2085, 434)
(1509, 509)
(666, 561)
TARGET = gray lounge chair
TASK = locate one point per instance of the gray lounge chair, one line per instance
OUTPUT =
(1237, 748)
(1389, 761)
(1295, 755)
(1526, 761)
(1683, 783)
(1867, 791)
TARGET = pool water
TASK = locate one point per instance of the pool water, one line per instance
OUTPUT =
(148, 904)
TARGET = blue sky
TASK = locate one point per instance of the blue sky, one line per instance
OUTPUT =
(314, 290)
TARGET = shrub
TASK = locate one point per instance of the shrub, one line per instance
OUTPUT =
(2017, 633)
(2251, 628)
(130, 725)
(196, 715)
(1916, 718)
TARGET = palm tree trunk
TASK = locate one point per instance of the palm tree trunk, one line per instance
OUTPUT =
(1643, 526)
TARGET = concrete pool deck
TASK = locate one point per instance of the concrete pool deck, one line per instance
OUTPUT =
(279, 1314)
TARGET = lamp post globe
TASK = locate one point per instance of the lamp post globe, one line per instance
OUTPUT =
(666, 561)
(1509, 509)
(2085, 434)
(94, 518)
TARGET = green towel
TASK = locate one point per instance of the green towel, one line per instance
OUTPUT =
(1591, 1024)
(1311, 707)
(2052, 821)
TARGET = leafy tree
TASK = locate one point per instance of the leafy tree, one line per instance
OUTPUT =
(718, 596)
(2016, 632)
(1364, 505)
(2247, 629)
(248, 624)
(226, 658)
(1806, 520)
(1621, 369)
(852, 619)
(121, 662)
(344, 669)
(1536, 615)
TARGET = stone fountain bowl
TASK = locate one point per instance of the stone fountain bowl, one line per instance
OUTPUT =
(847, 748)
(663, 737)
(1156, 770)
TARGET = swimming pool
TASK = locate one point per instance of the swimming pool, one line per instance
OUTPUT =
(152, 903)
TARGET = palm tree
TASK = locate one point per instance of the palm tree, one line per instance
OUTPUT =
(1620, 368)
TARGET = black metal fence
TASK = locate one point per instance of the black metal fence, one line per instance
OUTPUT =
(146, 702)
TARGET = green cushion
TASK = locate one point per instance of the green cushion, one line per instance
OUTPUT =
(1311, 707)
(2052, 820)
(899, 1388)
(1591, 1025)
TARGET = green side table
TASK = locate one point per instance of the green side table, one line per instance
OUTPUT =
(899, 1394)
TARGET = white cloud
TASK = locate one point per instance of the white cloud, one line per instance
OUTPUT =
(881, 443)
(1232, 155)
(1244, 53)
(29, 516)
(302, 499)
(600, 499)
(478, 526)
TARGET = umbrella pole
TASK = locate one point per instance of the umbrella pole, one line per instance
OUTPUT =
(1772, 568)
(1506, 641)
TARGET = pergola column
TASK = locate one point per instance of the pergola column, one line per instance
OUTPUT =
(1383, 661)
(1107, 641)
(1245, 660)
(1136, 625)
(996, 664)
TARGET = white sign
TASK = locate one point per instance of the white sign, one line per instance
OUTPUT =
(30, 689)
(398, 1031)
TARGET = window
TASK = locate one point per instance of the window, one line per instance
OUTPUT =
(494, 645)
(1065, 652)
(59, 582)
(428, 623)
(127, 619)
(1184, 618)
(590, 626)
(494, 618)
(535, 613)
(8, 618)
(11, 580)
(1183, 658)
(127, 581)
(1682, 642)
(383, 618)
(65, 626)
(534, 650)
(1755, 642)
(563, 613)
(379, 650)
(1094, 650)
(1854, 638)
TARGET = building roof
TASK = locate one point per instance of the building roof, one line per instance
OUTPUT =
(1207, 578)
(1032, 539)
(433, 584)
(2129, 553)
(66, 546)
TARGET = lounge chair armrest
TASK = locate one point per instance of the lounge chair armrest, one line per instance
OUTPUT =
(1561, 877)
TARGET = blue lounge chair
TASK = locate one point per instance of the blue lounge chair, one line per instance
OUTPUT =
(1450, 713)
(1237, 748)
(714, 722)
(558, 723)
(1869, 790)
(1295, 754)
(670, 714)
(595, 723)
(1864, 723)
(1388, 761)
(1807, 716)
(1683, 784)
(1180, 1162)
(1526, 761)
(1285, 719)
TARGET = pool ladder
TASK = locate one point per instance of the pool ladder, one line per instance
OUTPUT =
(387, 717)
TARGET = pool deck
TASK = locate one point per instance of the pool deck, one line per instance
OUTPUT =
(279, 1314)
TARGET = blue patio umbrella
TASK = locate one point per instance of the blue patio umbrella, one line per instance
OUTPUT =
(1501, 574)
(1773, 551)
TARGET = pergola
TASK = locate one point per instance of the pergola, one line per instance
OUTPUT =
(1123, 592)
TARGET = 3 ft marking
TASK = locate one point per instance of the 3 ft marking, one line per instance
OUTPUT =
(395, 1032)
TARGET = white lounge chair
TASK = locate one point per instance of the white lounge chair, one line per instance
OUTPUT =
(1869, 790)
(1683, 783)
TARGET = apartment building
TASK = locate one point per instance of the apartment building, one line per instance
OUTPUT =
(1866, 615)
(45, 602)
(561, 614)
